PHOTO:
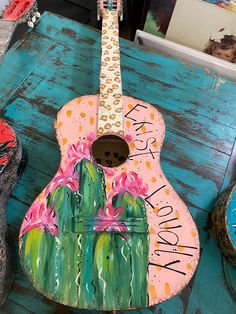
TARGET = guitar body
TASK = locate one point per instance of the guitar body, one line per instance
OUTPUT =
(10, 157)
(109, 238)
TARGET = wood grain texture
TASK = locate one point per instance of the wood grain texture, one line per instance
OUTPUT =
(60, 61)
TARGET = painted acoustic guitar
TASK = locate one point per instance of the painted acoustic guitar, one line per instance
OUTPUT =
(109, 232)
(13, 12)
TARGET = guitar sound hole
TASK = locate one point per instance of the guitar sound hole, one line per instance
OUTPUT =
(110, 151)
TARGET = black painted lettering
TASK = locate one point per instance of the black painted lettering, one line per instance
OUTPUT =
(142, 123)
(168, 227)
(145, 146)
(128, 115)
(153, 193)
(169, 237)
(158, 252)
(165, 211)
(166, 266)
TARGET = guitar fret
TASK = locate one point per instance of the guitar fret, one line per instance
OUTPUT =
(110, 117)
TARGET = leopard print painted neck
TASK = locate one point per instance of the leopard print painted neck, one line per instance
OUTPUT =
(110, 117)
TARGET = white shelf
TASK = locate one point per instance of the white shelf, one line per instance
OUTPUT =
(184, 53)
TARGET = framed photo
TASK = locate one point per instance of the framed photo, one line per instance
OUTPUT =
(208, 28)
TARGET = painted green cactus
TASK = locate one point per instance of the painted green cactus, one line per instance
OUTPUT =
(84, 248)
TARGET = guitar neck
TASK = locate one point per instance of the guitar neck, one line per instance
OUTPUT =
(6, 31)
(110, 117)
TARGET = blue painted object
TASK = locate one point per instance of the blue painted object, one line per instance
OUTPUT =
(224, 223)
(59, 61)
(231, 218)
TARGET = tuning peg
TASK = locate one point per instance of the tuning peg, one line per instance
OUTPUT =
(37, 14)
(30, 24)
(33, 19)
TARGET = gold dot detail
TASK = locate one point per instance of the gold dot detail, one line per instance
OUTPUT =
(130, 106)
(68, 113)
(193, 233)
(189, 266)
(136, 162)
(167, 191)
(180, 248)
(128, 124)
(177, 214)
(167, 288)
(152, 230)
(155, 210)
(152, 292)
(108, 187)
(59, 124)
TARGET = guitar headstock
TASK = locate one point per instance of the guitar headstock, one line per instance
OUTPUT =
(19, 11)
(110, 5)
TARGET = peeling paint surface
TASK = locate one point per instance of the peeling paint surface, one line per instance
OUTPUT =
(49, 67)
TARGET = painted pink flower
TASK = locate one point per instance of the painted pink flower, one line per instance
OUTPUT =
(108, 220)
(38, 216)
(91, 137)
(68, 177)
(129, 183)
(108, 171)
(79, 151)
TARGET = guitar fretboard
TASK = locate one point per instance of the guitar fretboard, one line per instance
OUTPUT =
(6, 31)
(110, 119)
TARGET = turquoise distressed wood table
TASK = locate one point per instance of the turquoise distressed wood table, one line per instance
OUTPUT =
(59, 61)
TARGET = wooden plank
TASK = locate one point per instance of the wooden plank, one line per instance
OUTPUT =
(10, 307)
(210, 293)
(19, 62)
(32, 300)
(192, 171)
(218, 277)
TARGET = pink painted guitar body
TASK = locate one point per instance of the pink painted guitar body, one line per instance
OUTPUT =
(109, 232)
(173, 237)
